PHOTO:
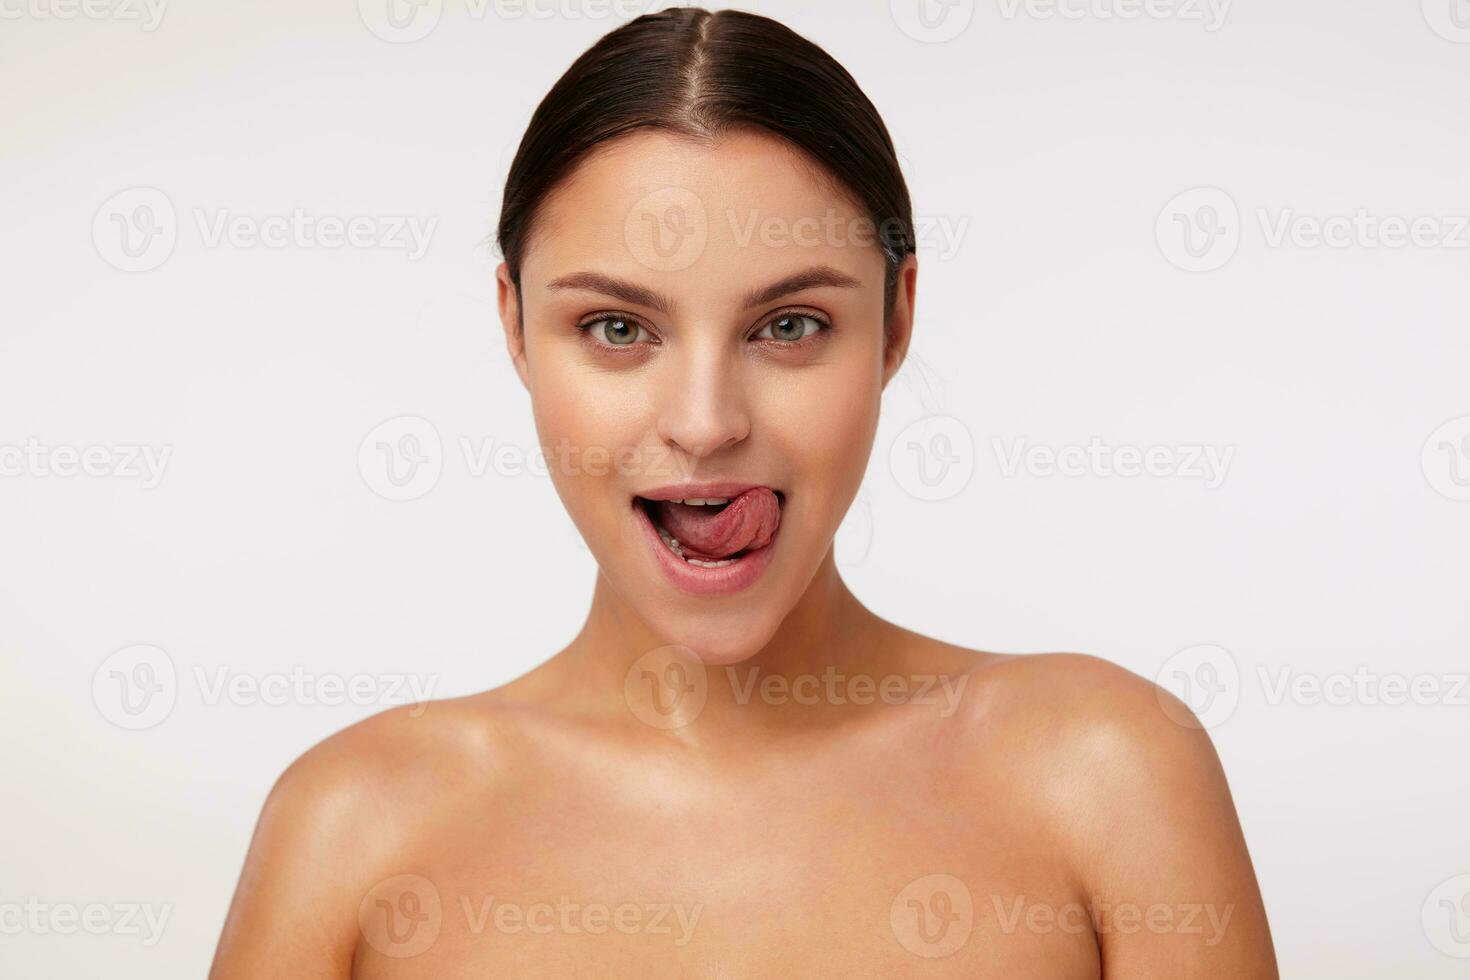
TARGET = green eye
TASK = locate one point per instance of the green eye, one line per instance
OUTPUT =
(791, 327)
(615, 331)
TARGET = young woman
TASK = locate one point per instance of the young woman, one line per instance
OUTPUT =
(736, 769)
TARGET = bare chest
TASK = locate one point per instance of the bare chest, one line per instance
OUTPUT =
(821, 881)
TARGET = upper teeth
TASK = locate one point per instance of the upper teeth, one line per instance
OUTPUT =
(703, 501)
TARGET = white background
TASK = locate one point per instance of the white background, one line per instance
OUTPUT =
(1055, 311)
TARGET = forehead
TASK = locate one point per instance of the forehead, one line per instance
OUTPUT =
(689, 217)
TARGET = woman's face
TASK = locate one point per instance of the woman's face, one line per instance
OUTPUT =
(705, 322)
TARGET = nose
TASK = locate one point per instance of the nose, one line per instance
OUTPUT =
(702, 407)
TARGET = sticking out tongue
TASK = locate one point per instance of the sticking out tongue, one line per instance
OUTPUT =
(747, 521)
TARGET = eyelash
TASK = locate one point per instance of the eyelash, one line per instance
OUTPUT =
(585, 327)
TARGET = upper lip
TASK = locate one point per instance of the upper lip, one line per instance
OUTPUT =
(721, 488)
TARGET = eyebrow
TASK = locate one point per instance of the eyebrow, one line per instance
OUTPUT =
(629, 292)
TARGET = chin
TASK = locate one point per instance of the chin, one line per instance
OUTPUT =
(719, 639)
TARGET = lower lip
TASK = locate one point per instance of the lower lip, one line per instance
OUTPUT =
(698, 580)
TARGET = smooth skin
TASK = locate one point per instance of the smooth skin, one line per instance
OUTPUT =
(618, 813)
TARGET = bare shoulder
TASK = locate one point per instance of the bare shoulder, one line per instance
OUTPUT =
(334, 822)
(1109, 742)
(1122, 777)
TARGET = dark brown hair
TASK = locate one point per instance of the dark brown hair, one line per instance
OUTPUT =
(697, 74)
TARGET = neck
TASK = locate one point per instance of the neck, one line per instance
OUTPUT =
(828, 629)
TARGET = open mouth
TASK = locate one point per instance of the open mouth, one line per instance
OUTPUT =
(714, 532)
(710, 543)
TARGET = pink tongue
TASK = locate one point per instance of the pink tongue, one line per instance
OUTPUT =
(748, 521)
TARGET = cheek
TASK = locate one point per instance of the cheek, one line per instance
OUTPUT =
(585, 420)
(825, 424)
